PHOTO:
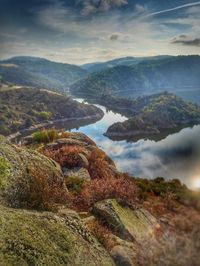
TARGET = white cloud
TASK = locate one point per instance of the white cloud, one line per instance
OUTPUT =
(92, 6)
(102, 37)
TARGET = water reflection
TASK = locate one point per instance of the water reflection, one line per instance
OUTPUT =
(175, 156)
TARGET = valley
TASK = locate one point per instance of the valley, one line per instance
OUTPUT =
(100, 133)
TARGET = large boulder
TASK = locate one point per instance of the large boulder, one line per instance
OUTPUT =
(36, 238)
(132, 225)
(18, 166)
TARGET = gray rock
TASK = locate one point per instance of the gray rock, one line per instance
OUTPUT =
(129, 224)
(78, 172)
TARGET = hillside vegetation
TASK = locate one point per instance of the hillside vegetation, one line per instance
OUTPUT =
(124, 61)
(154, 114)
(149, 76)
(24, 107)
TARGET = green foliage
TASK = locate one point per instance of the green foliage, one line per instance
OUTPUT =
(162, 188)
(23, 107)
(164, 73)
(45, 136)
(4, 172)
(45, 115)
(159, 186)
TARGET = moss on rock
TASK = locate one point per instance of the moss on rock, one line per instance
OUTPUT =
(33, 238)
(17, 168)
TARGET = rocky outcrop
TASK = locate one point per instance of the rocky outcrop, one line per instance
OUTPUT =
(130, 225)
(77, 154)
(34, 238)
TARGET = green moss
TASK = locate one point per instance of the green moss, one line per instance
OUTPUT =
(30, 238)
(137, 223)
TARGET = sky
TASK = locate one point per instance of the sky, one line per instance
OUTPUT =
(84, 31)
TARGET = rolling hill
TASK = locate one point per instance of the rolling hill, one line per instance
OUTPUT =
(154, 115)
(147, 77)
(39, 72)
(23, 107)
(124, 61)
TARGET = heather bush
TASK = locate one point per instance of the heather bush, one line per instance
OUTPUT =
(121, 188)
(66, 155)
(99, 166)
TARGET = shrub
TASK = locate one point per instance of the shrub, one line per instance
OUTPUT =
(45, 115)
(121, 188)
(66, 155)
(99, 166)
(4, 129)
(49, 135)
(45, 136)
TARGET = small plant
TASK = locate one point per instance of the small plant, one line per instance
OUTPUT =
(44, 115)
(45, 136)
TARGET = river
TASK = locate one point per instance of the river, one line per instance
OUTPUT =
(174, 156)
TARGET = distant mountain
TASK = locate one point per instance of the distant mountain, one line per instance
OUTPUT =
(154, 115)
(147, 77)
(125, 61)
(39, 72)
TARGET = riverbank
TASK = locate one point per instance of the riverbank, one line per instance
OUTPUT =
(31, 129)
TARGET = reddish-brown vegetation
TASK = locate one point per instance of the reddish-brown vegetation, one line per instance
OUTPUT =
(99, 168)
(121, 188)
(66, 155)
(102, 233)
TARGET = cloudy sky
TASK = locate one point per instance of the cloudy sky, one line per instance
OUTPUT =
(82, 31)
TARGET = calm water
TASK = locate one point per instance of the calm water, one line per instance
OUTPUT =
(175, 156)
